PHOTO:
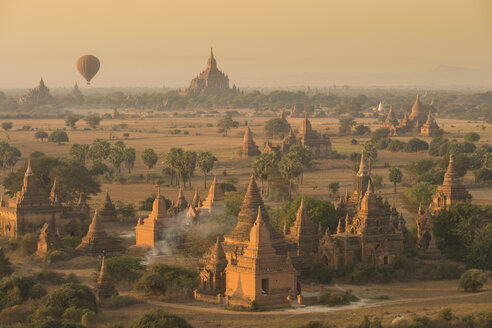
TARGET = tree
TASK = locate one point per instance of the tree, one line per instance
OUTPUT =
(263, 167)
(7, 126)
(8, 155)
(159, 319)
(72, 178)
(370, 154)
(275, 128)
(361, 129)
(189, 165)
(99, 150)
(395, 175)
(472, 280)
(5, 266)
(93, 120)
(174, 161)
(415, 144)
(58, 136)
(79, 152)
(130, 155)
(305, 156)
(117, 155)
(419, 194)
(41, 135)
(471, 137)
(149, 157)
(71, 120)
(290, 168)
(227, 123)
(346, 125)
(334, 186)
(205, 162)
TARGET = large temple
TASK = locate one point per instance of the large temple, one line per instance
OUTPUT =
(211, 81)
(449, 193)
(418, 122)
(29, 209)
(372, 231)
(38, 96)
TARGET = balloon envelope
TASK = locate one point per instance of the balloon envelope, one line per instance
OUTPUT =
(88, 67)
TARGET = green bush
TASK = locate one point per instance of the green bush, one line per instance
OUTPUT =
(16, 289)
(446, 314)
(16, 314)
(29, 243)
(333, 299)
(124, 268)
(57, 255)
(5, 266)
(472, 280)
(159, 319)
(118, 302)
(321, 273)
(77, 298)
(152, 283)
(71, 241)
(444, 270)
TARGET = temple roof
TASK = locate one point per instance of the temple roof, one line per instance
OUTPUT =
(159, 209)
(451, 177)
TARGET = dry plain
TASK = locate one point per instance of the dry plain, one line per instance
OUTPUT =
(405, 299)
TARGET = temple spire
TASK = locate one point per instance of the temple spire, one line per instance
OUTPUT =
(362, 167)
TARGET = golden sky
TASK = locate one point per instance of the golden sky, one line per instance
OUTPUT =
(256, 42)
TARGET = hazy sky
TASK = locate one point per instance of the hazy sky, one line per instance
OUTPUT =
(256, 42)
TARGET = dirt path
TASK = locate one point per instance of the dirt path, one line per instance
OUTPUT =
(364, 303)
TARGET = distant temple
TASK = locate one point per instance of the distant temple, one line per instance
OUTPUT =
(320, 145)
(29, 209)
(211, 81)
(104, 288)
(449, 193)
(418, 122)
(37, 96)
(248, 147)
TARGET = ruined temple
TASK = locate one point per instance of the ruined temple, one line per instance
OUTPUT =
(96, 242)
(107, 211)
(258, 273)
(320, 146)
(29, 209)
(211, 81)
(181, 203)
(212, 276)
(213, 202)
(48, 239)
(37, 96)
(150, 230)
(374, 234)
(447, 194)
(248, 148)
(197, 202)
(104, 288)
(303, 233)
(419, 121)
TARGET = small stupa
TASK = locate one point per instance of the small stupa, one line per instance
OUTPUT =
(248, 147)
(104, 288)
(215, 194)
(97, 242)
(107, 211)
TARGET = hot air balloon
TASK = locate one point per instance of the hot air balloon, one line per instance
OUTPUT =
(88, 66)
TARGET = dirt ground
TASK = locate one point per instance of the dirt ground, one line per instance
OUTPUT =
(405, 299)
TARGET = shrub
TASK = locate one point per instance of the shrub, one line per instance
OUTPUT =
(29, 244)
(16, 314)
(444, 270)
(321, 273)
(69, 295)
(5, 266)
(57, 255)
(71, 241)
(446, 314)
(159, 319)
(472, 280)
(151, 284)
(122, 268)
(118, 302)
(333, 299)
(16, 289)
